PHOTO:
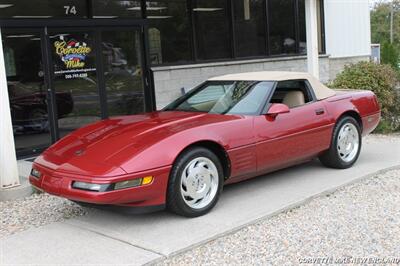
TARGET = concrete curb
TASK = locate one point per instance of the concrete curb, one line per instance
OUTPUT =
(281, 210)
(22, 191)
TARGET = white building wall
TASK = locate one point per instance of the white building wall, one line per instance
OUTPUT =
(347, 28)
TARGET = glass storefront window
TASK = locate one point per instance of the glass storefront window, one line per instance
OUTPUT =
(75, 79)
(212, 29)
(282, 37)
(43, 9)
(123, 72)
(26, 89)
(249, 27)
(116, 9)
(77, 93)
(302, 27)
(169, 31)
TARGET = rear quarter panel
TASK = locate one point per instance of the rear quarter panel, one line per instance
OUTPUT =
(364, 103)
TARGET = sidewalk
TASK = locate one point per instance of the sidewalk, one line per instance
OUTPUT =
(109, 238)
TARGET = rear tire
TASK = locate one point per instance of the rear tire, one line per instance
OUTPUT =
(195, 182)
(345, 144)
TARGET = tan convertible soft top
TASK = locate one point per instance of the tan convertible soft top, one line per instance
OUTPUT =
(321, 91)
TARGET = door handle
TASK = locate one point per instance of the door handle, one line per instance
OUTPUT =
(319, 111)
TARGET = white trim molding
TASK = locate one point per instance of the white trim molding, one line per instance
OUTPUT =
(312, 37)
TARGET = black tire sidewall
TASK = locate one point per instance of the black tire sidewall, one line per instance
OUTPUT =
(338, 127)
(175, 201)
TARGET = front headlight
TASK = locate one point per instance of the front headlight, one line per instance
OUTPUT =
(90, 186)
(113, 186)
(128, 184)
(133, 183)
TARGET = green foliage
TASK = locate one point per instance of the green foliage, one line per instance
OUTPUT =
(380, 22)
(384, 127)
(380, 31)
(390, 55)
(383, 81)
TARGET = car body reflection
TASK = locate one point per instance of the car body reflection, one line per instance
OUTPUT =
(29, 108)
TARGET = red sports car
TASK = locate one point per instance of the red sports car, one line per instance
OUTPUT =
(226, 130)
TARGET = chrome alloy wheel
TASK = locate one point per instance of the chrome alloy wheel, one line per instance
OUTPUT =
(348, 142)
(199, 182)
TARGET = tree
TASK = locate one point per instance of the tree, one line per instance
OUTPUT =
(390, 55)
(380, 31)
(380, 22)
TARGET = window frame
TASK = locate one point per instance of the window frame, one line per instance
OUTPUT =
(230, 29)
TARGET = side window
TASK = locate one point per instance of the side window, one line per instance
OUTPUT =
(293, 93)
(253, 100)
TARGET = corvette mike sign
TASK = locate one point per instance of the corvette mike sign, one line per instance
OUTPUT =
(73, 57)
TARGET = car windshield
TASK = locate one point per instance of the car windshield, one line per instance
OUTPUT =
(225, 97)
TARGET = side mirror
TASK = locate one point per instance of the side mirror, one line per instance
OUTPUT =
(277, 108)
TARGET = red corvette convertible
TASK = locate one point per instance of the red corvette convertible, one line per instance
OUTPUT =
(226, 130)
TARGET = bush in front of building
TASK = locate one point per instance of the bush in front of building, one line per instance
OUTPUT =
(383, 80)
(390, 55)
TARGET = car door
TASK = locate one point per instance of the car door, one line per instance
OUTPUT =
(293, 137)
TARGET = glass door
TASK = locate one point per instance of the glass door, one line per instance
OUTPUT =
(123, 71)
(96, 73)
(28, 94)
(75, 81)
(60, 79)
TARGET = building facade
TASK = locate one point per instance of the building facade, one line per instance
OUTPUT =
(72, 62)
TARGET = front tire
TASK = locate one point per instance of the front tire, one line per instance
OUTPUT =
(345, 144)
(195, 183)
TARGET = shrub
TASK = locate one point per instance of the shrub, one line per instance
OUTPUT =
(390, 55)
(383, 81)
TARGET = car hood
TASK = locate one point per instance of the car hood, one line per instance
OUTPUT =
(101, 148)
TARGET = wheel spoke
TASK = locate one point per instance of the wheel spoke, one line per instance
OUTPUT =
(192, 167)
(202, 165)
(207, 181)
(184, 179)
(186, 193)
(202, 194)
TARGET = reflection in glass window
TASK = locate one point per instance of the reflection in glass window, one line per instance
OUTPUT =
(282, 36)
(225, 97)
(26, 89)
(116, 9)
(210, 93)
(43, 9)
(250, 27)
(302, 27)
(75, 79)
(212, 29)
(123, 72)
(169, 31)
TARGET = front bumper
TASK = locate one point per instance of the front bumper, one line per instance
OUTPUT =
(60, 184)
